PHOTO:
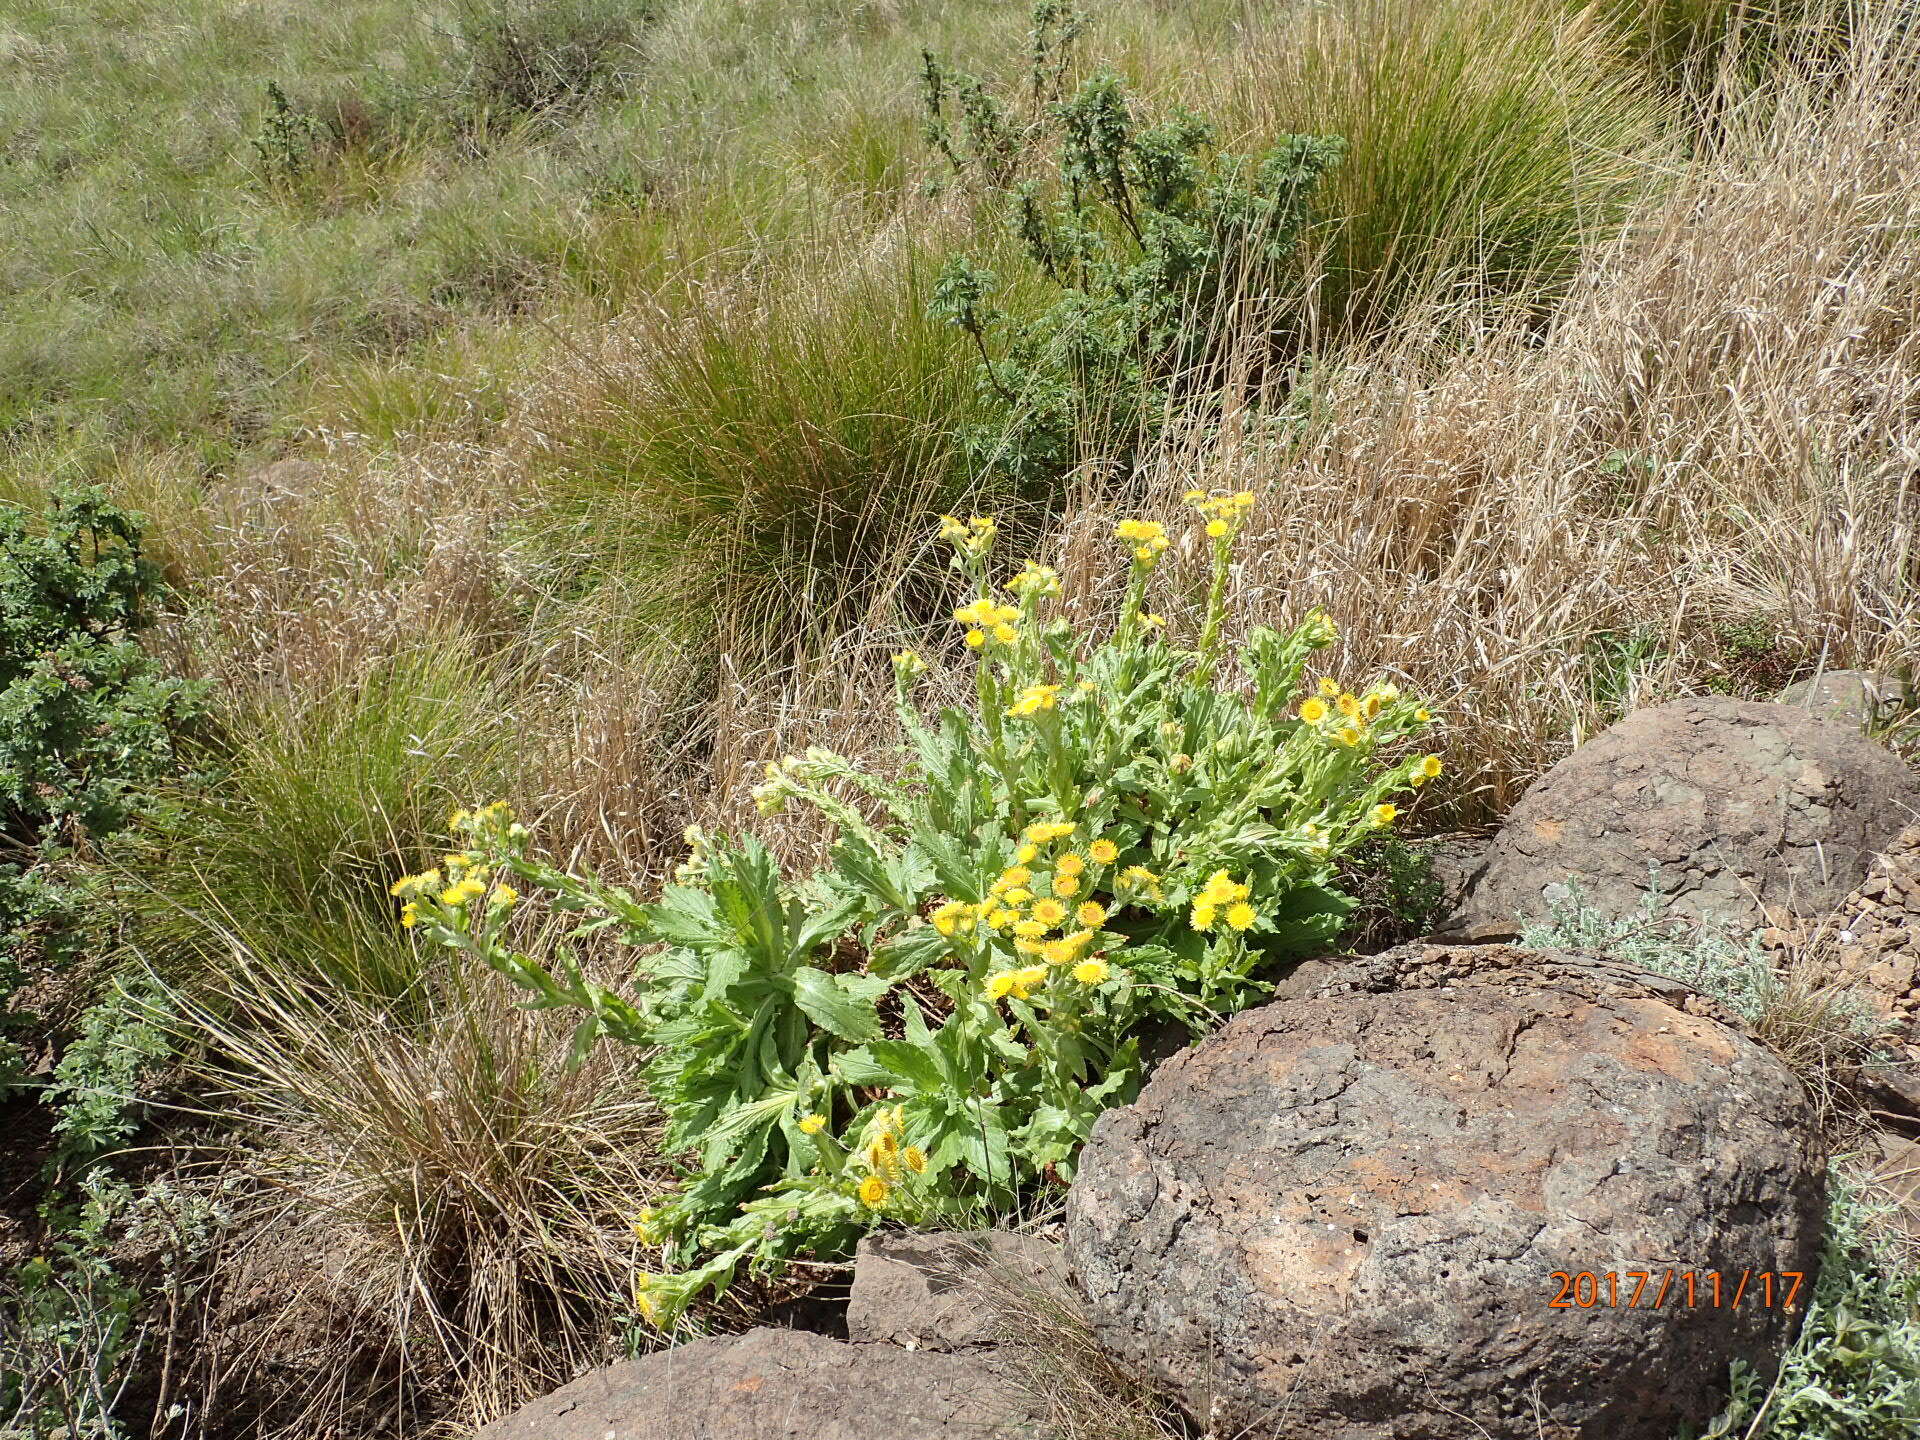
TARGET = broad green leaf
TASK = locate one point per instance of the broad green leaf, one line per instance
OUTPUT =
(846, 1009)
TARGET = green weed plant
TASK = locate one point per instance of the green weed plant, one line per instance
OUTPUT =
(1109, 837)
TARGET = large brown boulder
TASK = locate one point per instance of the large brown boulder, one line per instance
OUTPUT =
(1739, 812)
(1348, 1216)
(779, 1385)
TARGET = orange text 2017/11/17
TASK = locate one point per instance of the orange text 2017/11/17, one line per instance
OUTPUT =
(1666, 1289)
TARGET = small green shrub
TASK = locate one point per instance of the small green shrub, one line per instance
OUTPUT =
(1167, 261)
(1854, 1371)
(87, 720)
(533, 55)
(290, 140)
(1107, 836)
(83, 1324)
(96, 1086)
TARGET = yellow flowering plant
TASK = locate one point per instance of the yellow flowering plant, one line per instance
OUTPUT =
(1106, 836)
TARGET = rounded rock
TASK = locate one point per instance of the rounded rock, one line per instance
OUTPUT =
(1359, 1216)
(1736, 812)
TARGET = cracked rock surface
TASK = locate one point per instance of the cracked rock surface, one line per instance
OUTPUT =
(778, 1385)
(1342, 1215)
(1750, 812)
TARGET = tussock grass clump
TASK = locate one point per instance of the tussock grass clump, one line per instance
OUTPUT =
(315, 802)
(1084, 1393)
(749, 467)
(460, 1193)
(1486, 143)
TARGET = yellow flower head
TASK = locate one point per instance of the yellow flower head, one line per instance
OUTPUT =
(1042, 832)
(1006, 634)
(873, 1192)
(1069, 864)
(1431, 767)
(976, 638)
(812, 1124)
(916, 1159)
(1000, 917)
(998, 984)
(504, 897)
(1067, 948)
(1027, 979)
(1013, 875)
(973, 536)
(1140, 531)
(1034, 699)
(1423, 715)
(1348, 706)
(1347, 736)
(1049, 912)
(1383, 814)
(1202, 917)
(409, 915)
(909, 663)
(1032, 929)
(415, 884)
(1027, 854)
(1240, 915)
(1018, 896)
(1090, 972)
(1066, 886)
(1104, 852)
(1034, 581)
(457, 819)
(1216, 528)
(1329, 686)
(1313, 710)
(1092, 914)
(1151, 621)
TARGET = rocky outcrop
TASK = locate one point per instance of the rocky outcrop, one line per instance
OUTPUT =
(1357, 1215)
(1855, 698)
(1739, 812)
(779, 1385)
(922, 1291)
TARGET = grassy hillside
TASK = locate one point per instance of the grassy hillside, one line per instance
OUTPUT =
(555, 402)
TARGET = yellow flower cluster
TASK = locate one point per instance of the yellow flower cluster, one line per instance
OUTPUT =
(1038, 905)
(1147, 537)
(972, 536)
(886, 1158)
(1222, 892)
(1035, 699)
(1138, 877)
(465, 880)
(1224, 512)
(989, 621)
(1035, 581)
(1355, 712)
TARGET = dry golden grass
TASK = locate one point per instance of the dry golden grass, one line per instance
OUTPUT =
(1713, 439)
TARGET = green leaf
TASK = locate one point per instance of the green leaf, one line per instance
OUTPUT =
(916, 1067)
(843, 1004)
